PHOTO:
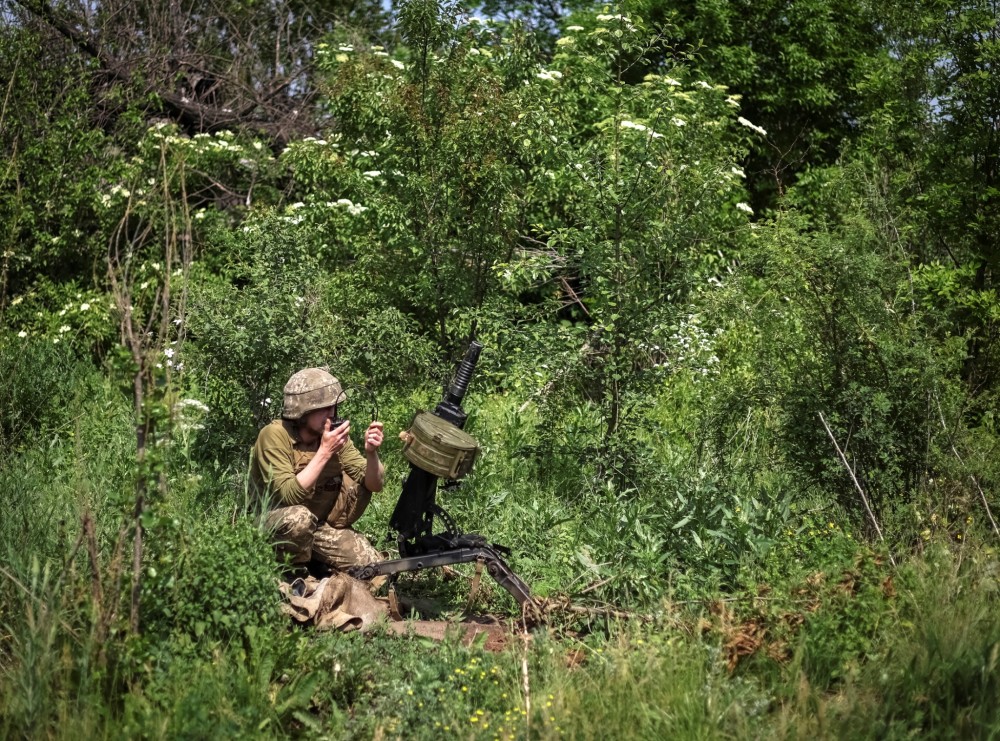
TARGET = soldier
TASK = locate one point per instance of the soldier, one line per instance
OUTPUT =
(312, 479)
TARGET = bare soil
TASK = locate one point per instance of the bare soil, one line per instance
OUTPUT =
(498, 635)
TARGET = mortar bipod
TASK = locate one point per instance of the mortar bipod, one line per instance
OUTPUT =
(495, 566)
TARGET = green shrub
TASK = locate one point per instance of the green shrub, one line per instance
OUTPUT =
(252, 328)
(207, 579)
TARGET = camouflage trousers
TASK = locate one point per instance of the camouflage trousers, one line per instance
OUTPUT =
(300, 535)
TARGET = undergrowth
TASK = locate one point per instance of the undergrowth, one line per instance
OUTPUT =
(821, 636)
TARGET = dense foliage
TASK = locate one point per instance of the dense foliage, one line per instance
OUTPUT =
(734, 269)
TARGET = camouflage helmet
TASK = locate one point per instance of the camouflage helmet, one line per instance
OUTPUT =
(310, 389)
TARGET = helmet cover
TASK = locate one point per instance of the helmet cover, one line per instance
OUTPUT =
(310, 389)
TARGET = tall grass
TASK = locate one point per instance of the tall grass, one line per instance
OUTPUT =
(935, 675)
(842, 645)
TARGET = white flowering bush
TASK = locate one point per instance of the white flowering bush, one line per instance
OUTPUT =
(635, 202)
(80, 320)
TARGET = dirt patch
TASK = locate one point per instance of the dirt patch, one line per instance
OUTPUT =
(471, 630)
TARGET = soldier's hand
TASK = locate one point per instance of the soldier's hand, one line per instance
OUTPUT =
(373, 437)
(335, 439)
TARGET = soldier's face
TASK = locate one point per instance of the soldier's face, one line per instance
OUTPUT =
(316, 419)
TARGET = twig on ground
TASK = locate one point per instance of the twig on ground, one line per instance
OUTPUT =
(598, 585)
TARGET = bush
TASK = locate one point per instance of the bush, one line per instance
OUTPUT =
(252, 328)
(207, 580)
(821, 320)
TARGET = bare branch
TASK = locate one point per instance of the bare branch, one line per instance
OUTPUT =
(850, 471)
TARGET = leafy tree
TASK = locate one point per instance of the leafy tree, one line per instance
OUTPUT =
(207, 67)
(48, 165)
(432, 152)
(635, 199)
(933, 128)
(796, 64)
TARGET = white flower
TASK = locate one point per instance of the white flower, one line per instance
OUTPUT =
(62, 313)
(678, 121)
(345, 47)
(371, 173)
(356, 209)
(345, 202)
(551, 75)
(565, 41)
(749, 125)
(574, 28)
(397, 64)
(473, 52)
(733, 100)
(22, 334)
(632, 125)
(738, 172)
(744, 207)
(84, 306)
(169, 352)
(672, 81)
(64, 329)
(193, 403)
(258, 146)
(702, 83)
(297, 204)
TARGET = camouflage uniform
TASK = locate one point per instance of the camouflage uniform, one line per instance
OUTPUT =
(315, 523)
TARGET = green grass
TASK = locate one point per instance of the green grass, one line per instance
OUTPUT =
(819, 637)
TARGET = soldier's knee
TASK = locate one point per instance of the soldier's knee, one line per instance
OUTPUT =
(292, 522)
